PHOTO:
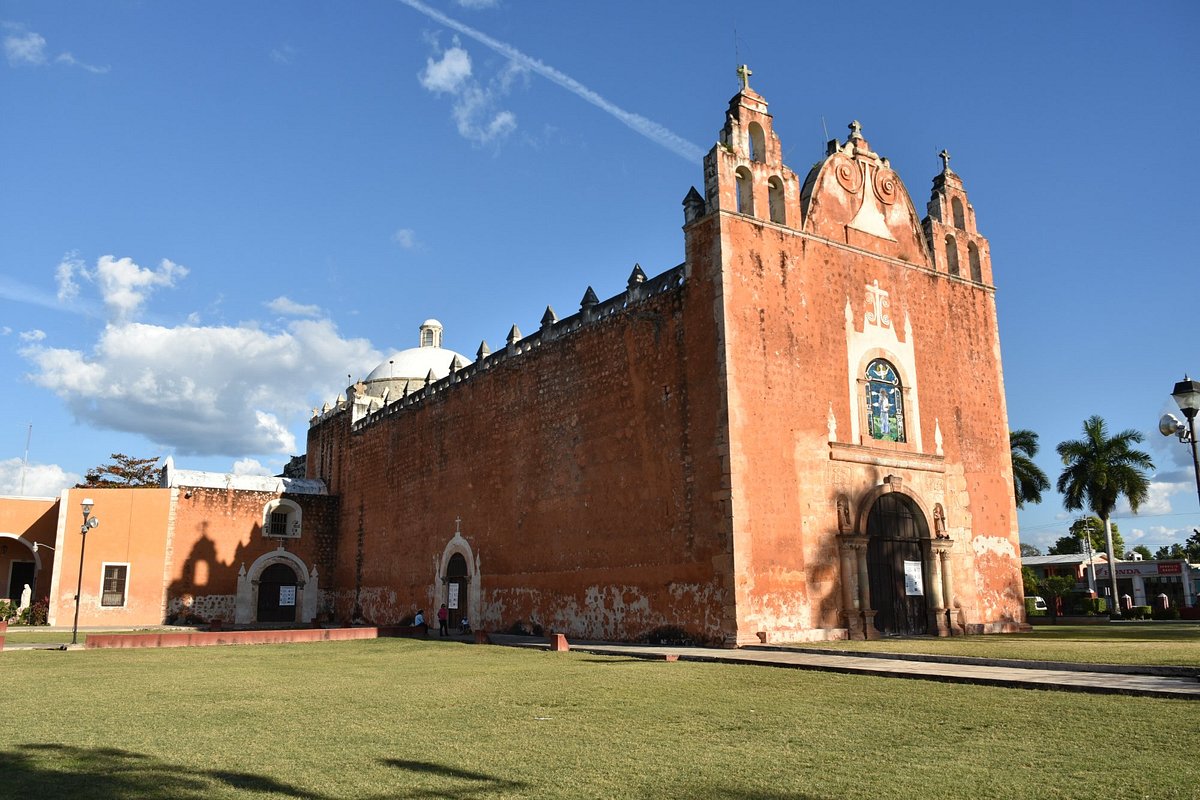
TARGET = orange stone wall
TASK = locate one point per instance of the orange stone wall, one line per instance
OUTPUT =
(587, 473)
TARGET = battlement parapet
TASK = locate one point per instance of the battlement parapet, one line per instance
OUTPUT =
(591, 312)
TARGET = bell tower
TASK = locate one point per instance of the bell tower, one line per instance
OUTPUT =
(744, 173)
(957, 248)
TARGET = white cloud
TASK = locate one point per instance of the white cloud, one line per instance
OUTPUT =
(38, 480)
(290, 308)
(203, 390)
(250, 466)
(635, 122)
(67, 58)
(475, 5)
(25, 48)
(1158, 498)
(34, 335)
(5, 331)
(405, 237)
(64, 276)
(124, 286)
(448, 74)
(284, 54)
(475, 107)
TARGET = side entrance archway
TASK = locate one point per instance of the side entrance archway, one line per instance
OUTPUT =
(458, 584)
(277, 594)
(898, 549)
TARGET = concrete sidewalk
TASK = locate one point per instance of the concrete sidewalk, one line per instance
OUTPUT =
(1028, 675)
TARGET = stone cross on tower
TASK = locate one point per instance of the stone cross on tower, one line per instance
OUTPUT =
(855, 129)
(457, 525)
(744, 73)
(945, 157)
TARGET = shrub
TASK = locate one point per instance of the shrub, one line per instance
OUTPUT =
(8, 610)
(1165, 613)
(1030, 611)
(36, 614)
(1138, 612)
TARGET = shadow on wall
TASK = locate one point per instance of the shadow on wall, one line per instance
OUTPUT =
(202, 575)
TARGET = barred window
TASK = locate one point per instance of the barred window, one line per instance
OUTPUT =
(113, 588)
(279, 520)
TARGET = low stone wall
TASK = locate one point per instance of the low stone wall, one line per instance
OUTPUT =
(206, 638)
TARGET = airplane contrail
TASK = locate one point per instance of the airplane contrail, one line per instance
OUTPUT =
(639, 124)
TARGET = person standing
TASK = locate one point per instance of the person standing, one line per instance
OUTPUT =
(443, 619)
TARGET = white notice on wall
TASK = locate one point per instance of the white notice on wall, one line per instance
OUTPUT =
(287, 595)
(452, 602)
(913, 585)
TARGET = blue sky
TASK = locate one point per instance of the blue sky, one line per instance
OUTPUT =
(212, 213)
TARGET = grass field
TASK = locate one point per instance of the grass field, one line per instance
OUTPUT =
(409, 719)
(1176, 644)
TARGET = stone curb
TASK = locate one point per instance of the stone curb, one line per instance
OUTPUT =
(1163, 671)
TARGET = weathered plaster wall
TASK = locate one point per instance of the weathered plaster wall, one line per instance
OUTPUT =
(585, 474)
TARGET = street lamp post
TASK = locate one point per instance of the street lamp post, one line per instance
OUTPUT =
(89, 522)
(1187, 395)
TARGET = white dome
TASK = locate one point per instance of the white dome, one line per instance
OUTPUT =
(431, 323)
(415, 363)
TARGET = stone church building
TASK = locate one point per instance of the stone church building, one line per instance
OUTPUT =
(798, 433)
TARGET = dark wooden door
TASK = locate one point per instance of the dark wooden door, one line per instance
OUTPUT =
(277, 594)
(456, 589)
(898, 539)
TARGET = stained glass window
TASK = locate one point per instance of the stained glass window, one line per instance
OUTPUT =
(885, 402)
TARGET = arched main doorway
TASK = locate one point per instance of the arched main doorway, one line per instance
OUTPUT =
(277, 594)
(457, 582)
(897, 552)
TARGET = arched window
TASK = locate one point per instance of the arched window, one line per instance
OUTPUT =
(758, 144)
(951, 255)
(775, 199)
(959, 219)
(745, 191)
(282, 519)
(885, 402)
(426, 338)
(973, 260)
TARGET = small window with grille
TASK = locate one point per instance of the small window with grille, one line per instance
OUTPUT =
(113, 586)
(279, 523)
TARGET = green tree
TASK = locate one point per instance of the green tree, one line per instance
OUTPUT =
(1028, 481)
(1030, 580)
(1097, 470)
(1093, 529)
(1028, 550)
(1143, 551)
(1054, 587)
(125, 472)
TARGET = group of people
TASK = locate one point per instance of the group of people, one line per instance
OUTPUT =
(443, 618)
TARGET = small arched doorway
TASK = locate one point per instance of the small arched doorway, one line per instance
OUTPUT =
(277, 594)
(457, 582)
(897, 552)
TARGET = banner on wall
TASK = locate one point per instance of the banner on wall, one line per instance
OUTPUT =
(452, 601)
(913, 585)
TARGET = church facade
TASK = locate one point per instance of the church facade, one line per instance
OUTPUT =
(799, 433)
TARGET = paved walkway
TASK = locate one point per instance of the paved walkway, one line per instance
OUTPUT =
(1076, 679)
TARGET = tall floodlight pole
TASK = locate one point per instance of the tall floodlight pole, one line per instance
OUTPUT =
(89, 522)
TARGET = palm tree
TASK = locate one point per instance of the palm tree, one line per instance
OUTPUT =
(1028, 481)
(1097, 470)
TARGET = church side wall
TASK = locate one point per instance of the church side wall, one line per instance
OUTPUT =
(586, 474)
(796, 314)
(217, 532)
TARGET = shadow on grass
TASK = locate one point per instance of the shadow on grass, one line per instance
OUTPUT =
(481, 783)
(59, 770)
(615, 660)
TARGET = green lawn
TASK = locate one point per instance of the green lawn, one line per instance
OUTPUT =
(1175, 644)
(34, 635)
(400, 718)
